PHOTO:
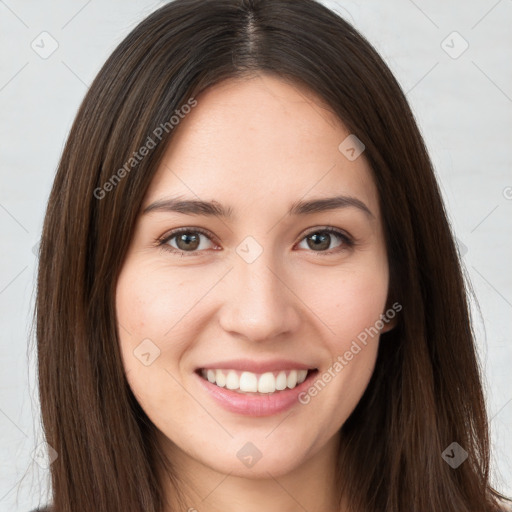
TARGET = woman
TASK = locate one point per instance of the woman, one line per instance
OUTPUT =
(249, 296)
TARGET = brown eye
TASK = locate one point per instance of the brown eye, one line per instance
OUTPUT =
(188, 241)
(185, 241)
(320, 240)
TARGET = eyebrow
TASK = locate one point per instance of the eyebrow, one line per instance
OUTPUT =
(215, 209)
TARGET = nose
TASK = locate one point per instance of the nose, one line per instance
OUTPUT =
(259, 303)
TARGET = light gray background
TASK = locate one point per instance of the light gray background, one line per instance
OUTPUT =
(463, 106)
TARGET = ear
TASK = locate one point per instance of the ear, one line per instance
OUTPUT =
(389, 326)
(390, 315)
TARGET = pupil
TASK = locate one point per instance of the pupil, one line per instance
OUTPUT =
(186, 237)
(320, 241)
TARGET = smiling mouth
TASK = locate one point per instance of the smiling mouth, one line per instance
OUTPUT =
(250, 383)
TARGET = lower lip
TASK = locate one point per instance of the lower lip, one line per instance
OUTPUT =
(256, 405)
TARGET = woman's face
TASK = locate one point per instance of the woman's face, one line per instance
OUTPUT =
(260, 293)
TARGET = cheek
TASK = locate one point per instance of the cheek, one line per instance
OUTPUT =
(351, 311)
(347, 302)
(160, 315)
(146, 309)
(157, 304)
(146, 304)
(357, 301)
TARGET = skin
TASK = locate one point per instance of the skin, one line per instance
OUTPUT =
(255, 145)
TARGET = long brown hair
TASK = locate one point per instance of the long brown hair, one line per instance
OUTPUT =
(426, 389)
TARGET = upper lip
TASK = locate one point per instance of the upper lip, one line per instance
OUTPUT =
(257, 366)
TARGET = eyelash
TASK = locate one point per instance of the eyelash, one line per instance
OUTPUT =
(347, 242)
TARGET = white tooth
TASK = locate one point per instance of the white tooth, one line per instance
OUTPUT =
(248, 382)
(220, 378)
(292, 379)
(301, 376)
(267, 383)
(232, 380)
(281, 381)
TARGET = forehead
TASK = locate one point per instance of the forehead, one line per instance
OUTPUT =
(260, 141)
